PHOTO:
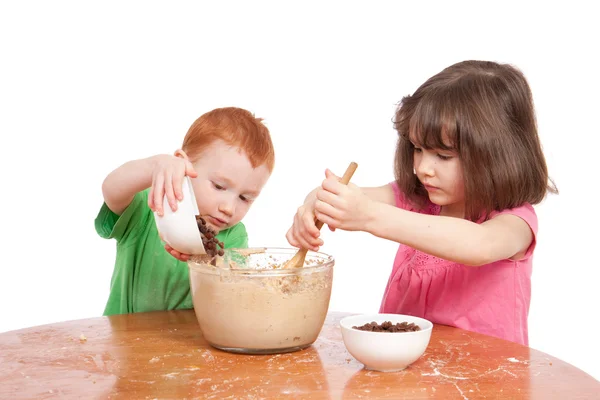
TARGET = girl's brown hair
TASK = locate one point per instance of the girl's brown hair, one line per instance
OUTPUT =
(484, 111)
(236, 127)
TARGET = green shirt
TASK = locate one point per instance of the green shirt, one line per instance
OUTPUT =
(146, 277)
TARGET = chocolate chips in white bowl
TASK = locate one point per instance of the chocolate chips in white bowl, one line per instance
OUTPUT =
(387, 326)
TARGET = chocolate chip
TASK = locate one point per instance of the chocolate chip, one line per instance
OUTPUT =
(212, 245)
(387, 326)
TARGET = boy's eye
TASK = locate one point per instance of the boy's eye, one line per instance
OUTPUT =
(244, 198)
(218, 187)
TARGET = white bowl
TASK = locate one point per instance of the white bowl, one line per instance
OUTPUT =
(385, 351)
(179, 229)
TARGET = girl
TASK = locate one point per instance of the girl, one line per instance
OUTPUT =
(468, 168)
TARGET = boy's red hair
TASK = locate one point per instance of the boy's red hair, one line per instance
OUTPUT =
(236, 127)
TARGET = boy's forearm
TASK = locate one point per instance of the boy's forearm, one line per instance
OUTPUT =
(122, 184)
(452, 239)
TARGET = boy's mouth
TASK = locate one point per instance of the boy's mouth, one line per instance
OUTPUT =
(219, 223)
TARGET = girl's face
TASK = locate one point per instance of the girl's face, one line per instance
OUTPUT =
(440, 172)
(226, 185)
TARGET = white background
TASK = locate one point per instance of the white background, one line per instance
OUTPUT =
(85, 87)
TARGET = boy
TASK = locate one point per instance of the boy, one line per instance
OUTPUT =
(229, 156)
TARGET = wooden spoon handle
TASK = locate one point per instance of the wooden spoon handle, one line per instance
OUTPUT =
(345, 179)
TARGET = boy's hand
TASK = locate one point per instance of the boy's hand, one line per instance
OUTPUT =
(176, 254)
(167, 178)
(304, 233)
(341, 206)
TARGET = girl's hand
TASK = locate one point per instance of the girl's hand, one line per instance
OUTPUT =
(167, 178)
(304, 233)
(342, 206)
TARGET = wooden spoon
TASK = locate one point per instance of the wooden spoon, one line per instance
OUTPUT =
(298, 260)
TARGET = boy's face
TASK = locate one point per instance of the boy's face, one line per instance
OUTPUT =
(226, 185)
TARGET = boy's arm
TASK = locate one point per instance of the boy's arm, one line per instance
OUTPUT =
(121, 185)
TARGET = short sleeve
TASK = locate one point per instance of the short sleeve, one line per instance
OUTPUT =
(133, 219)
(400, 199)
(527, 213)
(237, 237)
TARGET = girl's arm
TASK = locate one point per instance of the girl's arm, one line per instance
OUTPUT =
(373, 210)
(304, 234)
(382, 194)
(453, 239)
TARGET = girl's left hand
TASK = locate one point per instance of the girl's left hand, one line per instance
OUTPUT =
(342, 206)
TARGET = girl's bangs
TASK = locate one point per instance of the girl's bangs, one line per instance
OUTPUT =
(433, 124)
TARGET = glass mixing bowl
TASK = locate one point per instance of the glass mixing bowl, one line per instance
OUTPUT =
(246, 303)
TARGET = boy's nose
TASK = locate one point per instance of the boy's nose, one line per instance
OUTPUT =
(227, 206)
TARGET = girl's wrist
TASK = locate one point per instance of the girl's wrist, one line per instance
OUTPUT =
(372, 216)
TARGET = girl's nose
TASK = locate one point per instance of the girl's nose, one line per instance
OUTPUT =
(426, 166)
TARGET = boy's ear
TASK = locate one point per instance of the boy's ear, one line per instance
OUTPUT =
(181, 153)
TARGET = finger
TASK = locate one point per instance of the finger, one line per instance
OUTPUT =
(327, 209)
(151, 197)
(333, 185)
(178, 184)
(189, 169)
(291, 239)
(311, 240)
(329, 174)
(326, 219)
(306, 223)
(333, 200)
(169, 190)
(306, 239)
(306, 243)
(299, 235)
(176, 254)
(159, 190)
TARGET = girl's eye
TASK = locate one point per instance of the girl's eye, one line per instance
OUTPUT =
(244, 199)
(418, 149)
(218, 187)
(443, 157)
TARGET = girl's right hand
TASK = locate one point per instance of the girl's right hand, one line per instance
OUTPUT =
(304, 233)
(167, 178)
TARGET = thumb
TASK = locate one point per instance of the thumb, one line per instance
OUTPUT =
(329, 174)
(189, 170)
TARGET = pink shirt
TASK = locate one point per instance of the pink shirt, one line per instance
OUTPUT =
(492, 299)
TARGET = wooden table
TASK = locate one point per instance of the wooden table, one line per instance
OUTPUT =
(163, 355)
